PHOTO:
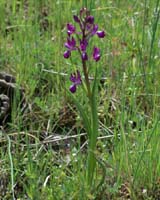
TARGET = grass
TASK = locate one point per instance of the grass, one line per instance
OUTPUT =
(32, 34)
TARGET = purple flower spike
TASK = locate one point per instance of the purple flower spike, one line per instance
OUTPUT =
(67, 54)
(71, 44)
(96, 54)
(84, 56)
(101, 34)
(90, 19)
(87, 29)
(75, 78)
(76, 18)
(70, 29)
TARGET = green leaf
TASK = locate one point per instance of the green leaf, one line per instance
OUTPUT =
(94, 107)
(83, 115)
(94, 134)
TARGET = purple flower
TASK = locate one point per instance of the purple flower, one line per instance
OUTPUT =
(95, 29)
(71, 44)
(101, 34)
(84, 56)
(67, 54)
(83, 45)
(96, 54)
(70, 29)
(75, 78)
(73, 88)
(76, 18)
(90, 19)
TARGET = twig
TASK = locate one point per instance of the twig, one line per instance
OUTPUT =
(90, 78)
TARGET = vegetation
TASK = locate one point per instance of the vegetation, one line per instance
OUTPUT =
(43, 142)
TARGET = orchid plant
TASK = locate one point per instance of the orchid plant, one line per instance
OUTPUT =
(78, 40)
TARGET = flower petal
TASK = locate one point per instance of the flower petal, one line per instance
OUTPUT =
(76, 78)
(96, 54)
(73, 42)
(84, 56)
(67, 54)
(70, 44)
(90, 19)
(70, 29)
(101, 34)
(95, 29)
(83, 45)
(73, 77)
(76, 18)
(73, 88)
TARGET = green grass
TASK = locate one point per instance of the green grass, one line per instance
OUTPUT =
(32, 34)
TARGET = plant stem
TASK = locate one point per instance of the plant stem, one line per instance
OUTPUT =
(85, 71)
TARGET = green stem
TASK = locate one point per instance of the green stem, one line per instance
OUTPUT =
(85, 71)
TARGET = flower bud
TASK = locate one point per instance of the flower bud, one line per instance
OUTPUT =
(67, 54)
(101, 34)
